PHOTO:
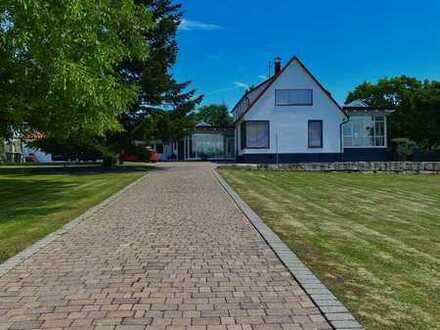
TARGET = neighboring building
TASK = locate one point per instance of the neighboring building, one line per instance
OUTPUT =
(12, 150)
(291, 117)
(17, 149)
(205, 143)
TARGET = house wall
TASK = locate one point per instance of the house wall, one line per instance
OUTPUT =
(289, 124)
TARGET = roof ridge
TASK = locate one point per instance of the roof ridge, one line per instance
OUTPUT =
(275, 77)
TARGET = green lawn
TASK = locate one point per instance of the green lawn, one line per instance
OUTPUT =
(37, 200)
(374, 239)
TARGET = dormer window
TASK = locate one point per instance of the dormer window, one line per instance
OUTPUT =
(285, 97)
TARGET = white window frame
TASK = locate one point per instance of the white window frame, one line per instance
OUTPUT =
(385, 137)
(321, 132)
(278, 104)
(247, 123)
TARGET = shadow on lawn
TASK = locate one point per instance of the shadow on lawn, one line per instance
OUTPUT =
(38, 199)
(31, 192)
(85, 169)
(28, 199)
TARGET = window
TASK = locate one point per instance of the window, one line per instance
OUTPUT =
(255, 134)
(315, 133)
(364, 131)
(207, 146)
(294, 97)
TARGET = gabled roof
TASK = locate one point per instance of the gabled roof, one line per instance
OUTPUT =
(251, 90)
(357, 104)
(275, 77)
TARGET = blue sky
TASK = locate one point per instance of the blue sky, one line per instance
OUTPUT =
(226, 45)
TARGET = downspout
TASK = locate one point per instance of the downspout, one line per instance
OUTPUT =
(341, 136)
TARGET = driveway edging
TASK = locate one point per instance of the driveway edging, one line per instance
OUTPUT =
(22, 256)
(331, 308)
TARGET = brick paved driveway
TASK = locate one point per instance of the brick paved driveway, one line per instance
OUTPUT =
(173, 252)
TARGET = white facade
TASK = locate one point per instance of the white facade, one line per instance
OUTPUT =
(289, 124)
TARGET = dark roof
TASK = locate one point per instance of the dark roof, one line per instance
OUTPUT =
(275, 77)
(366, 109)
(362, 106)
(250, 90)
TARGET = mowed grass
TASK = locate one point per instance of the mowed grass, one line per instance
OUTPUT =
(374, 239)
(37, 200)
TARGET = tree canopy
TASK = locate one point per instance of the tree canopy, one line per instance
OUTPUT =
(60, 64)
(131, 96)
(164, 106)
(416, 104)
(215, 115)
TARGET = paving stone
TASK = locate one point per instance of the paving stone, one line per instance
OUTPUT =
(130, 327)
(340, 317)
(26, 324)
(171, 252)
(56, 324)
(346, 324)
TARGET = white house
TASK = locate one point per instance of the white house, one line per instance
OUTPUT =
(291, 117)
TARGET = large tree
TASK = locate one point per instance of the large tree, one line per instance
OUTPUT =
(423, 115)
(416, 104)
(215, 115)
(162, 99)
(60, 64)
(163, 106)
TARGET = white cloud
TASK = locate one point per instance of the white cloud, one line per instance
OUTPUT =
(221, 90)
(189, 25)
(237, 85)
(241, 84)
